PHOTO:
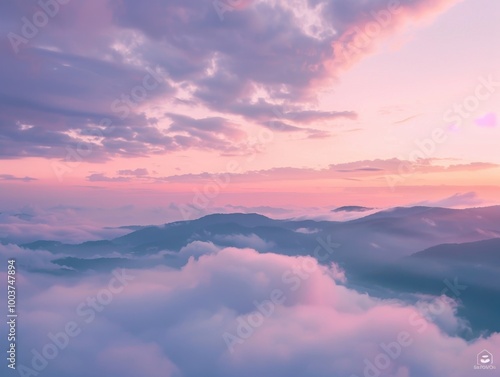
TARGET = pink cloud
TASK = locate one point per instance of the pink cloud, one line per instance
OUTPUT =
(375, 22)
(175, 320)
(488, 120)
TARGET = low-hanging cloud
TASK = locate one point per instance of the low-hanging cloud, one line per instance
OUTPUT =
(175, 320)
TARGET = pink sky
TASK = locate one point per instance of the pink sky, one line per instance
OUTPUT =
(382, 104)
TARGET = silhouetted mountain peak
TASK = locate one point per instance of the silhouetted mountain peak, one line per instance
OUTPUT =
(479, 251)
(352, 209)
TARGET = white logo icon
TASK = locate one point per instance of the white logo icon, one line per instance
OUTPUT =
(484, 360)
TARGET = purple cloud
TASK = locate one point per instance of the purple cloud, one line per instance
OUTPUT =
(74, 78)
(220, 292)
(10, 177)
(488, 120)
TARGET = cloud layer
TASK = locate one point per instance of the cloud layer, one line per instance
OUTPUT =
(178, 322)
(102, 87)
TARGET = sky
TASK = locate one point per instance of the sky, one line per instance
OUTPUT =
(177, 109)
(120, 112)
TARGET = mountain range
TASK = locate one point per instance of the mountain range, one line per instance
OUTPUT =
(404, 250)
